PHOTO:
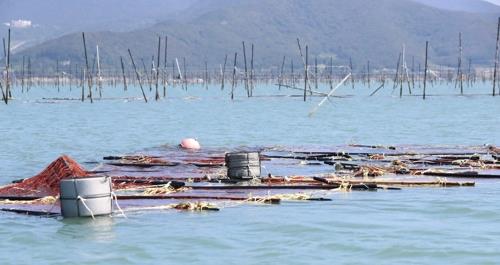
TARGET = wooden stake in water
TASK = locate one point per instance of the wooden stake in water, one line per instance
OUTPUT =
(330, 76)
(30, 81)
(174, 62)
(280, 80)
(22, 75)
(419, 74)
(352, 72)
(145, 69)
(165, 76)
(205, 78)
(57, 75)
(223, 77)
(378, 88)
(138, 76)
(153, 70)
(405, 68)
(460, 75)
(7, 71)
(316, 72)
(3, 93)
(123, 74)
(496, 59)
(425, 71)
(92, 71)
(401, 76)
(4, 98)
(71, 76)
(469, 73)
(303, 60)
(396, 78)
(234, 76)
(251, 73)
(87, 75)
(84, 80)
(246, 69)
(185, 73)
(305, 72)
(99, 79)
(413, 72)
(4, 51)
(157, 94)
(368, 72)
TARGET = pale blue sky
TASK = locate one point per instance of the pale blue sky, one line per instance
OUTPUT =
(494, 1)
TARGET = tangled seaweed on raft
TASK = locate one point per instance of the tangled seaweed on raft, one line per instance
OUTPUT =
(469, 163)
(47, 200)
(376, 157)
(164, 189)
(494, 150)
(194, 206)
(138, 161)
(276, 198)
(300, 196)
(369, 171)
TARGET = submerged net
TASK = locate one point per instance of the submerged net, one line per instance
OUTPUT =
(46, 183)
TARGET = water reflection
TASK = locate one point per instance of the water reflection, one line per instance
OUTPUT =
(99, 229)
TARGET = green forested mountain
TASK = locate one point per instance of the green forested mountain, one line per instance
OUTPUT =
(373, 30)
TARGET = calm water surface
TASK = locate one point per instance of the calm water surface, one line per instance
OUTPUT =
(414, 226)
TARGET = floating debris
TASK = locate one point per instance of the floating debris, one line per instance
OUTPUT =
(195, 206)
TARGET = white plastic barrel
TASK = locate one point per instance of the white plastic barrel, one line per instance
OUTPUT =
(85, 197)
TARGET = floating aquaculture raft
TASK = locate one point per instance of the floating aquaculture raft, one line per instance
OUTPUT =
(173, 178)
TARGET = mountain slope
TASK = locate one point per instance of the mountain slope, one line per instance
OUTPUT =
(474, 6)
(53, 18)
(361, 29)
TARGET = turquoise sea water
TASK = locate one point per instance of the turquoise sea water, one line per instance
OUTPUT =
(414, 226)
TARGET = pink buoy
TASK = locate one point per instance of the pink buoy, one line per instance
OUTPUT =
(190, 143)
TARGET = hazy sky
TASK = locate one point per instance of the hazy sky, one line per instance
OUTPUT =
(494, 1)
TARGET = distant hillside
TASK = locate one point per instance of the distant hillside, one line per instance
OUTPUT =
(53, 18)
(361, 29)
(475, 6)
(495, 2)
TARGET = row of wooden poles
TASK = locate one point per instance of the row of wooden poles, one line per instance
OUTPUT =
(90, 78)
(403, 75)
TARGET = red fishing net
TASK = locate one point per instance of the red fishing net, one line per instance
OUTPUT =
(46, 183)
